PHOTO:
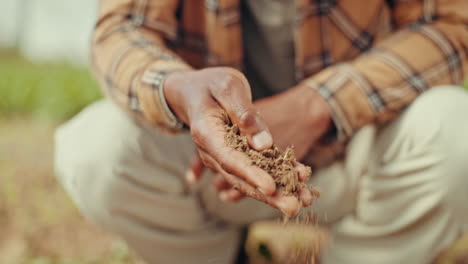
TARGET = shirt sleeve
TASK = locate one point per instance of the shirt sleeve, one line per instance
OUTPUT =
(130, 53)
(429, 48)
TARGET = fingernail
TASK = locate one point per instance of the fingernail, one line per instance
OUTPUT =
(306, 200)
(190, 177)
(284, 208)
(289, 208)
(265, 191)
(262, 140)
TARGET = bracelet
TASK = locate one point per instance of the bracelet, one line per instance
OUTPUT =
(158, 82)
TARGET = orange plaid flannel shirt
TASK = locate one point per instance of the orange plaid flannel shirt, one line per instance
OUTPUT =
(368, 59)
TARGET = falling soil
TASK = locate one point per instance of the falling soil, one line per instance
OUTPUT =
(294, 240)
(281, 165)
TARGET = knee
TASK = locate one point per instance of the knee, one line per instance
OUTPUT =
(88, 151)
(440, 103)
(435, 120)
(433, 130)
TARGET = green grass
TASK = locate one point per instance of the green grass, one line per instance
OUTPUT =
(50, 90)
(39, 223)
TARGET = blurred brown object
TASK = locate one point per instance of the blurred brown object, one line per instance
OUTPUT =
(290, 242)
(456, 254)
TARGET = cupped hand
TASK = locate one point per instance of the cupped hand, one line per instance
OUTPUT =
(298, 118)
(228, 193)
(200, 99)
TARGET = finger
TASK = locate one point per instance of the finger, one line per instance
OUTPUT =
(231, 195)
(195, 170)
(226, 192)
(306, 197)
(220, 183)
(304, 172)
(289, 205)
(232, 180)
(237, 163)
(207, 160)
(235, 98)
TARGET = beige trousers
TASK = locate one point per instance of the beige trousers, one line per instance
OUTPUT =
(400, 196)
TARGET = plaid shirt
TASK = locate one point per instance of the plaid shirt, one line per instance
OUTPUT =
(368, 59)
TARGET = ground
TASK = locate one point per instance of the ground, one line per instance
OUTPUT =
(39, 224)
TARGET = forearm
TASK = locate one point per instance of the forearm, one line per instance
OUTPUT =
(378, 85)
(129, 53)
(298, 117)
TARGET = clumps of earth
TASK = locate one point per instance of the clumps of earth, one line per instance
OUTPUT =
(289, 242)
(281, 165)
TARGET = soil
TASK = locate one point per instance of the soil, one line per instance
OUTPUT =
(40, 224)
(281, 165)
(294, 240)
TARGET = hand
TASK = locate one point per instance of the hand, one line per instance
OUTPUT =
(298, 118)
(230, 194)
(200, 99)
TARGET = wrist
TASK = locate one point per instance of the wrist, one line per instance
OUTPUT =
(174, 94)
(316, 111)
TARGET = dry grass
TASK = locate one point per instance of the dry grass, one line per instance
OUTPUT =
(39, 224)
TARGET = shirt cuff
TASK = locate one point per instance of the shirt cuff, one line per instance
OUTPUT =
(174, 123)
(337, 132)
(156, 110)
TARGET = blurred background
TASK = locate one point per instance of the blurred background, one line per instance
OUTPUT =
(44, 80)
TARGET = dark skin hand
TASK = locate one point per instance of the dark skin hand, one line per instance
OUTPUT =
(306, 119)
(199, 99)
(297, 117)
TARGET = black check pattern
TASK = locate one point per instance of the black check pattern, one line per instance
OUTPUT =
(359, 38)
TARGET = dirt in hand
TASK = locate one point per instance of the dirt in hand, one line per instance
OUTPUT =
(295, 240)
(281, 165)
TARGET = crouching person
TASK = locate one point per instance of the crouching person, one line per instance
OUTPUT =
(366, 94)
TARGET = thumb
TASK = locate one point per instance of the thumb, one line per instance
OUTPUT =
(195, 170)
(252, 125)
(236, 100)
